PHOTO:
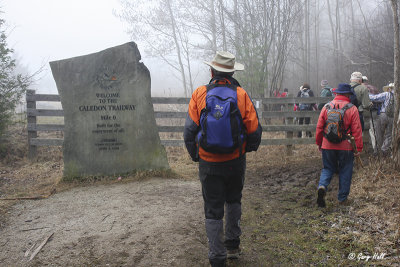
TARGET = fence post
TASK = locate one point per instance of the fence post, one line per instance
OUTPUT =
(289, 134)
(31, 104)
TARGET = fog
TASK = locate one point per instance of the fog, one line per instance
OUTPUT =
(45, 30)
(282, 44)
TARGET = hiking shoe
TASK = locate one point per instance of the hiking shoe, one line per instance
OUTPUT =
(321, 197)
(345, 202)
(218, 262)
(233, 254)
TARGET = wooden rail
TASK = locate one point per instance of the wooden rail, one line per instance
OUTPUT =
(289, 128)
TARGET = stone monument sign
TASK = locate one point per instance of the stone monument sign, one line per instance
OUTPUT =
(110, 126)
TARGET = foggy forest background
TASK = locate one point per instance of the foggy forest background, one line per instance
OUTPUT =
(282, 43)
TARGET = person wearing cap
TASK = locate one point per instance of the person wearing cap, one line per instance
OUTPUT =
(325, 92)
(305, 92)
(371, 89)
(338, 157)
(384, 120)
(222, 175)
(361, 93)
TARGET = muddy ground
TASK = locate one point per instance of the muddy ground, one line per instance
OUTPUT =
(158, 221)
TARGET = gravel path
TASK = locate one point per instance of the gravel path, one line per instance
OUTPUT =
(156, 222)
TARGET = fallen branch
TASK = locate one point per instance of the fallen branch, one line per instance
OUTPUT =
(32, 229)
(29, 250)
(32, 198)
(40, 247)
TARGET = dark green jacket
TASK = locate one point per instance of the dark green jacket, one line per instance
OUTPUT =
(326, 92)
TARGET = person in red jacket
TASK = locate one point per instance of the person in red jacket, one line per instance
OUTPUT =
(338, 157)
(221, 173)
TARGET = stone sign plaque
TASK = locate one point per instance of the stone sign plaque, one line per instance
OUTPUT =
(110, 126)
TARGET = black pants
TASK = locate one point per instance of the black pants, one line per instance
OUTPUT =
(306, 121)
(222, 184)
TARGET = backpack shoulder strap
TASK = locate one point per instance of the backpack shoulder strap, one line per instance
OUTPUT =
(213, 85)
(328, 105)
(347, 106)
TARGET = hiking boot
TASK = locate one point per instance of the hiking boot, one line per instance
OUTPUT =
(233, 254)
(345, 202)
(218, 262)
(321, 197)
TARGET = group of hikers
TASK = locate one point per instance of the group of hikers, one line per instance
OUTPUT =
(365, 97)
(223, 125)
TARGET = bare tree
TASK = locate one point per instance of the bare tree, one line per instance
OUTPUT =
(156, 24)
(305, 39)
(395, 133)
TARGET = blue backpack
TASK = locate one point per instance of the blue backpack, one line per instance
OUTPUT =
(222, 130)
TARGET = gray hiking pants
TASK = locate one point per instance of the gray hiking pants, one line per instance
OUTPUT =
(222, 185)
(383, 131)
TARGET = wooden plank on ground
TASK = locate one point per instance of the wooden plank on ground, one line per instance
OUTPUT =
(40, 247)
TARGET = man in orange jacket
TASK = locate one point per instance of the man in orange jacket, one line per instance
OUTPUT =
(338, 155)
(220, 151)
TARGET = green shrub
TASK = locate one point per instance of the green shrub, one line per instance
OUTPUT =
(12, 85)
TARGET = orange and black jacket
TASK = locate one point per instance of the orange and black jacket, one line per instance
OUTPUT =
(192, 125)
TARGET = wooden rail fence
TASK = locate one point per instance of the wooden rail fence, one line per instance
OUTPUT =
(289, 128)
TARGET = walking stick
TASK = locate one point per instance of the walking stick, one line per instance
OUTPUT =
(354, 146)
(373, 126)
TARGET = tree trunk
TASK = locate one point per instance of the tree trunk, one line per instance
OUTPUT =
(334, 40)
(316, 28)
(223, 27)
(213, 27)
(178, 49)
(395, 132)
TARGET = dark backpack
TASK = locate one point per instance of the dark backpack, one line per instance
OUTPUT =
(390, 107)
(302, 106)
(334, 129)
(353, 97)
(222, 130)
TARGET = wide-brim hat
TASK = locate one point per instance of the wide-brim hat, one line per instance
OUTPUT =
(225, 62)
(388, 87)
(344, 88)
